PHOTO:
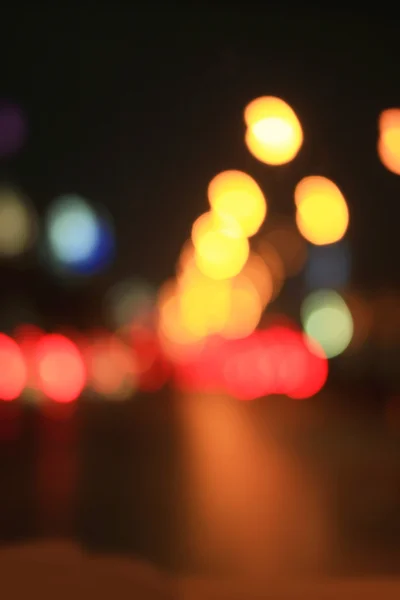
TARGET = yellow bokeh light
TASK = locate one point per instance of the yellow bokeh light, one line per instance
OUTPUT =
(204, 303)
(259, 274)
(274, 134)
(235, 197)
(219, 256)
(210, 221)
(17, 223)
(245, 309)
(322, 215)
(170, 322)
(315, 185)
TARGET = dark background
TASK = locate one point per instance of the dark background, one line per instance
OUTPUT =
(137, 110)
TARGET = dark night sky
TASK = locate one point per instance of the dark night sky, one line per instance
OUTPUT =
(138, 110)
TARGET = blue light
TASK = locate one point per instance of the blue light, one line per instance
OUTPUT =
(79, 240)
(102, 254)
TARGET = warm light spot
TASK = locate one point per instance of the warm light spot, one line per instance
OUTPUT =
(389, 139)
(259, 274)
(244, 310)
(389, 119)
(61, 368)
(315, 185)
(389, 150)
(204, 303)
(111, 366)
(315, 373)
(171, 327)
(327, 319)
(235, 197)
(13, 371)
(210, 221)
(17, 223)
(277, 360)
(322, 215)
(27, 337)
(219, 256)
(274, 135)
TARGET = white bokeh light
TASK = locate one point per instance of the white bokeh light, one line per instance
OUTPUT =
(73, 229)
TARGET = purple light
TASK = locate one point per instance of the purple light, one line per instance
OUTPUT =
(12, 129)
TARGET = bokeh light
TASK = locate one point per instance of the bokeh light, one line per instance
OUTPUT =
(389, 139)
(17, 223)
(220, 256)
(204, 303)
(276, 360)
(235, 196)
(13, 129)
(13, 370)
(210, 221)
(259, 274)
(27, 336)
(60, 367)
(274, 134)
(244, 309)
(322, 215)
(112, 372)
(176, 341)
(78, 238)
(327, 319)
(328, 266)
(103, 253)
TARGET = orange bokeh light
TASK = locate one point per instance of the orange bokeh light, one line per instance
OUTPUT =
(389, 139)
(274, 134)
(219, 256)
(111, 367)
(61, 369)
(235, 197)
(322, 215)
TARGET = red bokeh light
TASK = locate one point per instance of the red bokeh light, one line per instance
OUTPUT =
(277, 360)
(27, 337)
(60, 367)
(12, 369)
(315, 373)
